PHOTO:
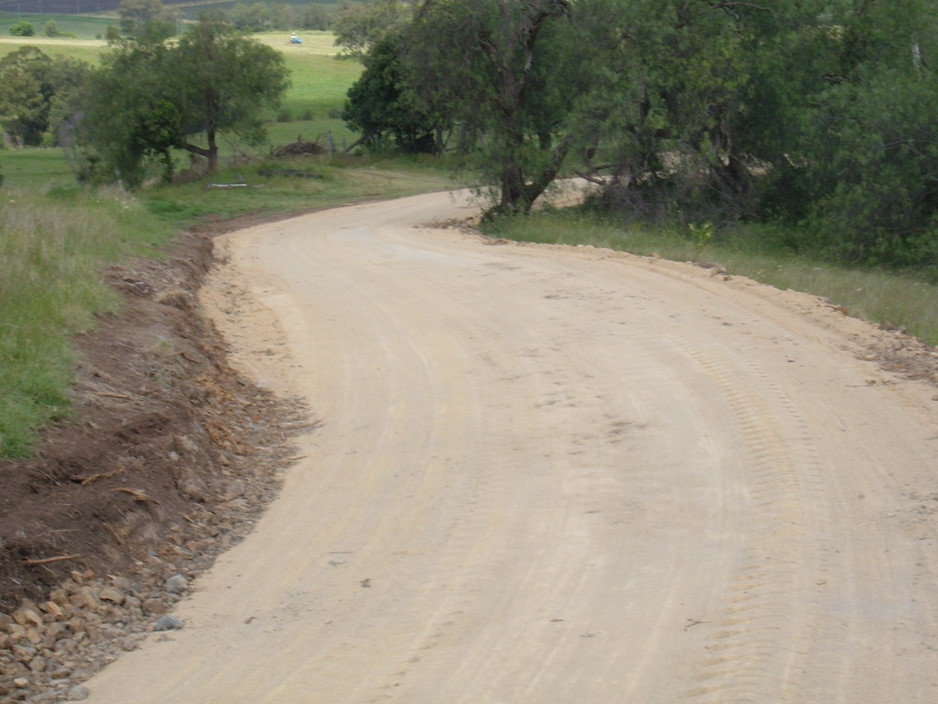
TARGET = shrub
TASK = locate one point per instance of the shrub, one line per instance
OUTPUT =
(23, 28)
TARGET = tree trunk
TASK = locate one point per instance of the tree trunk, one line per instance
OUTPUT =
(517, 194)
(210, 154)
(212, 150)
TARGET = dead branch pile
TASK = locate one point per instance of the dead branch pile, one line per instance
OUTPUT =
(299, 147)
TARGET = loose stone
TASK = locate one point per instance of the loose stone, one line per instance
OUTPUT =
(177, 584)
(77, 693)
(167, 622)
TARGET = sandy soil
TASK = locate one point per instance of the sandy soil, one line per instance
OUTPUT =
(556, 475)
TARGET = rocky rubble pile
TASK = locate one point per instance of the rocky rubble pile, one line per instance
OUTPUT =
(48, 648)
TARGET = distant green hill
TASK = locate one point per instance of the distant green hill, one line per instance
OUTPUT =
(90, 7)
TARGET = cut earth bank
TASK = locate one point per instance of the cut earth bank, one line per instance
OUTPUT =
(168, 459)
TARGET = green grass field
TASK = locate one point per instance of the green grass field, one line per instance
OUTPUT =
(319, 82)
(82, 26)
(87, 50)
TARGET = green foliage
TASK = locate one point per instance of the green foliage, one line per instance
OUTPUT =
(146, 20)
(23, 28)
(25, 94)
(252, 18)
(228, 82)
(360, 25)
(131, 85)
(692, 102)
(51, 29)
(807, 111)
(383, 106)
(501, 72)
(876, 186)
(867, 156)
(151, 98)
(33, 88)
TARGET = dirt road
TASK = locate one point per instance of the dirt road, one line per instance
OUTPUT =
(556, 476)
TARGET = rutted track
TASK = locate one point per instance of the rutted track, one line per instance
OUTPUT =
(557, 475)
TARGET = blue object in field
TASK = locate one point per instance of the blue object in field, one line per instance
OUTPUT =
(295, 40)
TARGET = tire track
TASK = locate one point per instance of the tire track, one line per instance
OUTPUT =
(761, 634)
(559, 475)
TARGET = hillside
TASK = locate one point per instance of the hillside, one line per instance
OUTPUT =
(81, 7)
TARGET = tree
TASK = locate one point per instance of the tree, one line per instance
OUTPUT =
(148, 99)
(32, 85)
(695, 102)
(250, 18)
(503, 71)
(383, 106)
(227, 83)
(146, 20)
(25, 94)
(359, 25)
(316, 17)
(123, 93)
(866, 163)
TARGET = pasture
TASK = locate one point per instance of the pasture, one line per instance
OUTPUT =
(311, 107)
(85, 27)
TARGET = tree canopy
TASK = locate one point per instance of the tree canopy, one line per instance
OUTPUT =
(33, 89)
(146, 20)
(501, 70)
(148, 99)
(359, 25)
(384, 107)
(812, 112)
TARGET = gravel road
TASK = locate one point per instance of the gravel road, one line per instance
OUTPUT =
(557, 475)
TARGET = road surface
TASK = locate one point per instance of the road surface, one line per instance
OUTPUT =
(556, 475)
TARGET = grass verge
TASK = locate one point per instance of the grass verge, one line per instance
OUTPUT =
(905, 301)
(54, 246)
(52, 250)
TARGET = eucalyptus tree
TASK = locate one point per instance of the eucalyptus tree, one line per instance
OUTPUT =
(33, 89)
(503, 70)
(151, 98)
(694, 102)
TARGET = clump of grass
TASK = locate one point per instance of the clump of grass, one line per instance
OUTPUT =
(903, 300)
(52, 250)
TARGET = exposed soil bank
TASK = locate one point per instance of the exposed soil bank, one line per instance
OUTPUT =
(168, 459)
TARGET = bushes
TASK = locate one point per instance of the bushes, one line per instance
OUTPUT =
(876, 181)
(23, 28)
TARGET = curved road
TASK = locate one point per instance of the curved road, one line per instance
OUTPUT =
(557, 475)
